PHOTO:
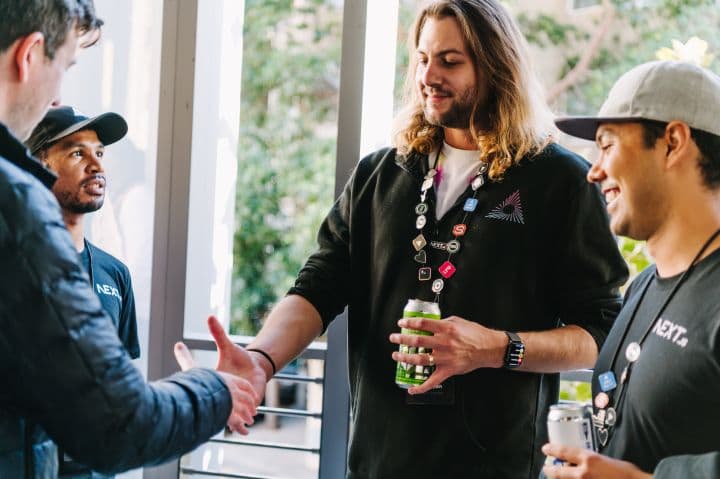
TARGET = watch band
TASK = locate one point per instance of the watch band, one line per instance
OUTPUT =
(515, 352)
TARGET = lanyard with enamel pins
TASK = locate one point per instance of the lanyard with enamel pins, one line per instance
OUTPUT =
(447, 269)
(606, 416)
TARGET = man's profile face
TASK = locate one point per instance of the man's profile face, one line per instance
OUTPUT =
(77, 160)
(445, 74)
(630, 176)
(42, 90)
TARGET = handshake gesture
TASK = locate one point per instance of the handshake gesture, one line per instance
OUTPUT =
(242, 372)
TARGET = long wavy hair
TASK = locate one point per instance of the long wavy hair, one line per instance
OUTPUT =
(514, 116)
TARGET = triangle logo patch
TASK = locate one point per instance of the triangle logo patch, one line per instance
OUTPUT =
(509, 210)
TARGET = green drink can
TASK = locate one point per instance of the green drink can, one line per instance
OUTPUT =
(409, 375)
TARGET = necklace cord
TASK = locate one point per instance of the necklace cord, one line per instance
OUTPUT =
(685, 275)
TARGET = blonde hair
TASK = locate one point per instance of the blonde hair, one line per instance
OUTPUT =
(518, 120)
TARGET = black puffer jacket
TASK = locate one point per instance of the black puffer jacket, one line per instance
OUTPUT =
(64, 375)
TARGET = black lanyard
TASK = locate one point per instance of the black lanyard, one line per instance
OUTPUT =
(625, 375)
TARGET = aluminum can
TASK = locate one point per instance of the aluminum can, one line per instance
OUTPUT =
(570, 424)
(409, 375)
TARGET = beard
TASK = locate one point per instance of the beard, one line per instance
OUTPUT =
(457, 116)
(71, 202)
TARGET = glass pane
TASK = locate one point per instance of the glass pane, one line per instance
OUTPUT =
(286, 153)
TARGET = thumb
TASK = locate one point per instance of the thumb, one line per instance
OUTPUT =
(219, 335)
(183, 356)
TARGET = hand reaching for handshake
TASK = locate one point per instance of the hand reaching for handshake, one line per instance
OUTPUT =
(243, 375)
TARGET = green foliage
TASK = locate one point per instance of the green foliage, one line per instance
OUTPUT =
(546, 31)
(640, 31)
(286, 152)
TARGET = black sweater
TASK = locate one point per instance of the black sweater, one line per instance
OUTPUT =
(559, 264)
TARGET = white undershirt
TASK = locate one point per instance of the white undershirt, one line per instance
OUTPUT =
(458, 170)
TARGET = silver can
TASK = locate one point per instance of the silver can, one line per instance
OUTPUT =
(571, 424)
(409, 375)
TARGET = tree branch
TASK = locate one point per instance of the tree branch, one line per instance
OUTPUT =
(575, 75)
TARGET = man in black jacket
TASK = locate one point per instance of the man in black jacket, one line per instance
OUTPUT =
(65, 376)
(477, 210)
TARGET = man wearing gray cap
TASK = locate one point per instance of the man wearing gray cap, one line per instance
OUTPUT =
(657, 379)
(73, 147)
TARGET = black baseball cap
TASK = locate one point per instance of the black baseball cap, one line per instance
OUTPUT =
(65, 120)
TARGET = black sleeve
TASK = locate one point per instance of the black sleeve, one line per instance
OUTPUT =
(592, 268)
(127, 325)
(62, 362)
(324, 279)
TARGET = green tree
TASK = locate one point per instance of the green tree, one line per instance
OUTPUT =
(286, 152)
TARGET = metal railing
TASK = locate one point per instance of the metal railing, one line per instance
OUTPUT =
(318, 351)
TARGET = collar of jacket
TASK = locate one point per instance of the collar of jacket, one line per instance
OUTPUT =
(414, 163)
(15, 152)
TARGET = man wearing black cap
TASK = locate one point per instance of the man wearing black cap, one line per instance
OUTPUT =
(657, 379)
(73, 147)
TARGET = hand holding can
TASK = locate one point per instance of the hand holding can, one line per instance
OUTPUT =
(409, 375)
(570, 424)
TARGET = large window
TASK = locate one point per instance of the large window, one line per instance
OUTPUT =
(261, 115)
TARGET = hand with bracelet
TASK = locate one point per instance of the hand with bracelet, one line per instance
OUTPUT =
(233, 360)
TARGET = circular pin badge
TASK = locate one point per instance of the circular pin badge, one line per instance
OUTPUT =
(427, 184)
(431, 173)
(420, 222)
(477, 182)
(453, 246)
(632, 353)
(482, 168)
(421, 208)
(601, 400)
(438, 285)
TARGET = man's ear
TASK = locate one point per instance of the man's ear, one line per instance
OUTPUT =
(29, 51)
(678, 139)
(44, 158)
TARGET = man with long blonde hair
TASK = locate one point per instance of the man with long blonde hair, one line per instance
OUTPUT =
(477, 211)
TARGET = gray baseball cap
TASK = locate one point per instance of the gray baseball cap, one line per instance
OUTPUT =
(662, 91)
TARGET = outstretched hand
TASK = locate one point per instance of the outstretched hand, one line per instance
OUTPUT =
(585, 464)
(236, 360)
(245, 379)
(458, 347)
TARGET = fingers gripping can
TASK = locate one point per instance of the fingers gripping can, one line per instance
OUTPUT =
(571, 425)
(409, 375)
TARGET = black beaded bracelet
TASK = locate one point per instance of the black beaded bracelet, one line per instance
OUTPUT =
(267, 356)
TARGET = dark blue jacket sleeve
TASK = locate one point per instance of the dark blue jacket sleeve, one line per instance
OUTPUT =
(62, 364)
